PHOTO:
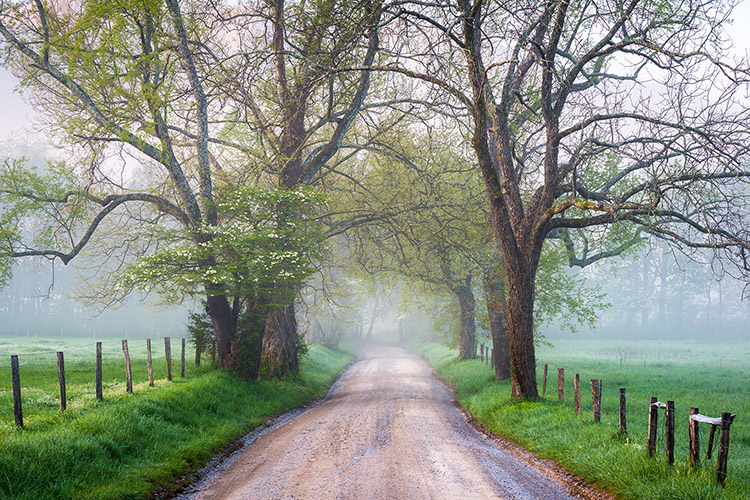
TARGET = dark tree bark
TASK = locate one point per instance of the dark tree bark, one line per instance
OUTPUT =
(217, 307)
(280, 353)
(467, 343)
(520, 302)
(494, 287)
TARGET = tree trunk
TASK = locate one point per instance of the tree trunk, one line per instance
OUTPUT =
(520, 302)
(373, 317)
(494, 288)
(467, 343)
(280, 354)
(217, 307)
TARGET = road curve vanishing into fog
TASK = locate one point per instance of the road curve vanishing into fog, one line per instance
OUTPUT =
(388, 430)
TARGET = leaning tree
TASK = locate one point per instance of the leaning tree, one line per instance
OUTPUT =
(585, 115)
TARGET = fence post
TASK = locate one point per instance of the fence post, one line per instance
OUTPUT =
(149, 363)
(710, 442)
(544, 381)
(16, 378)
(577, 393)
(128, 373)
(61, 378)
(623, 413)
(481, 353)
(99, 394)
(721, 461)
(168, 354)
(695, 444)
(653, 422)
(492, 357)
(595, 401)
(182, 360)
(561, 384)
(669, 432)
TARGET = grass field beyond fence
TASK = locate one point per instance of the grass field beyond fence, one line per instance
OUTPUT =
(40, 389)
(130, 445)
(711, 377)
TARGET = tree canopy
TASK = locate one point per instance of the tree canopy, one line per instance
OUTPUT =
(573, 127)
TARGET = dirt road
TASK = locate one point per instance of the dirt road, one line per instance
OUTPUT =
(389, 430)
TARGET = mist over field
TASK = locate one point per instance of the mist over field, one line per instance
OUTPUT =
(36, 304)
(660, 294)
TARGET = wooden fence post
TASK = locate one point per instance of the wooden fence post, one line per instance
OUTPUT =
(710, 442)
(16, 378)
(577, 393)
(168, 354)
(149, 363)
(492, 357)
(694, 436)
(481, 353)
(721, 461)
(595, 400)
(561, 384)
(61, 378)
(99, 394)
(623, 413)
(669, 432)
(544, 381)
(128, 373)
(653, 421)
(182, 360)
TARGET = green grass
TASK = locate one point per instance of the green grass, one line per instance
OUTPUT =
(40, 391)
(712, 377)
(131, 445)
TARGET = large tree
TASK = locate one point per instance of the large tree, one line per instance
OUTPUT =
(192, 93)
(107, 75)
(586, 114)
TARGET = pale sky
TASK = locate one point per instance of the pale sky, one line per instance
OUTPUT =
(17, 116)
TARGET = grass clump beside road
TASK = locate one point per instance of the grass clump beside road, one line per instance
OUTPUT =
(131, 445)
(596, 452)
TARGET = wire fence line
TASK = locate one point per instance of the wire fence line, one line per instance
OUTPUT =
(47, 382)
(640, 429)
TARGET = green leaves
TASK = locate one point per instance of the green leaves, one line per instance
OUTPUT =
(256, 250)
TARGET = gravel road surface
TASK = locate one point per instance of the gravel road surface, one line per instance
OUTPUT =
(388, 430)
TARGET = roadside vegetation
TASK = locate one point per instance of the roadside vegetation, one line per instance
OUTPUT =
(712, 377)
(129, 446)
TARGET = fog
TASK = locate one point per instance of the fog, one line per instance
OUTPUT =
(40, 303)
(662, 294)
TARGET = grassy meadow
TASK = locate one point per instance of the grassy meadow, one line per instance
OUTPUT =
(711, 377)
(40, 389)
(129, 446)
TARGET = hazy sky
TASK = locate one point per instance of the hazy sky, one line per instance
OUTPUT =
(16, 115)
